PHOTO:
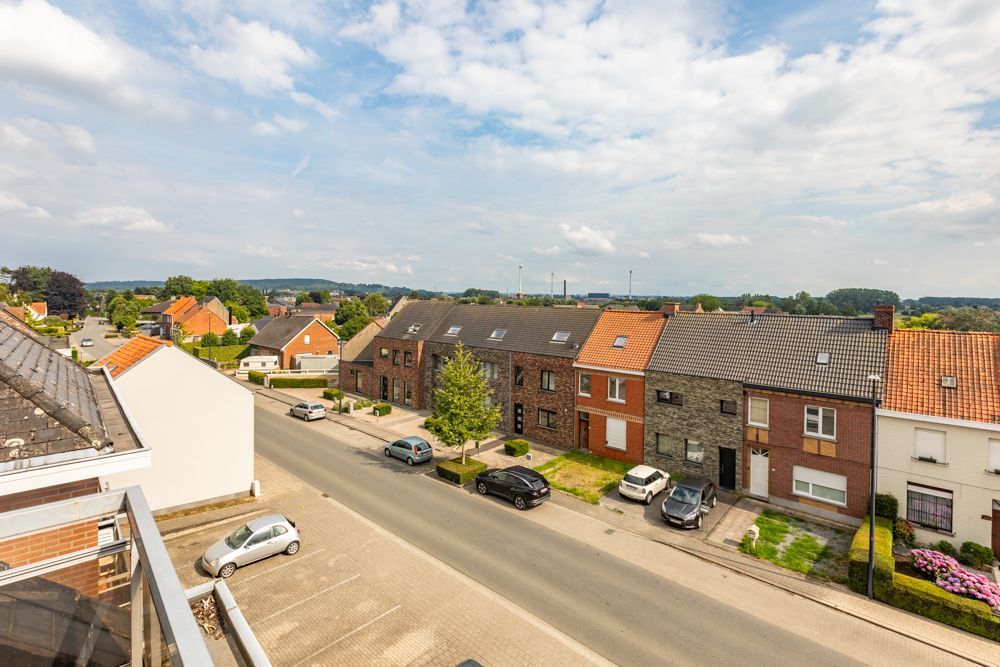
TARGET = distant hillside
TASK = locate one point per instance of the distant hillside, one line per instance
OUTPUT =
(122, 285)
(269, 285)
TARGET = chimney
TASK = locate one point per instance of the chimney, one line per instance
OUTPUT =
(884, 314)
(670, 308)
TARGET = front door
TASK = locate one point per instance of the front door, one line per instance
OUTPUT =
(384, 393)
(760, 466)
(996, 526)
(727, 468)
(584, 430)
(518, 418)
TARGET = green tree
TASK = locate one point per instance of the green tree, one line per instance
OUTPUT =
(33, 281)
(970, 319)
(246, 334)
(178, 286)
(319, 296)
(179, 334)
(229, 337)
(925, 321)
(239, 311)
(376, 303)
(351, 327)
(350, 309)
(209, 340)
(462, 410)
(252, 299)
(66, 294)
(863, 299)
(708, 302)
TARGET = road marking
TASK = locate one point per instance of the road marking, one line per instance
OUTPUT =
(337, 641)
(325, 590)
(243, 580)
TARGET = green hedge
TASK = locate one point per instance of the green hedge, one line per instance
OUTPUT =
(111, 335)
(381, 409)
(516, 447)
(928, 599)
(297, 382)
(886, 506)
(332, 394)
(256, 377)
(857, 571)
(975, 555)
(221, 353)
(454, 471)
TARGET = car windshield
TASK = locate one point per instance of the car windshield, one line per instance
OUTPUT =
(536, 483)
(683, 494)
(239, 536)
(633, 479)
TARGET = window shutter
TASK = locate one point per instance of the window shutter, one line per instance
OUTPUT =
(929, 444)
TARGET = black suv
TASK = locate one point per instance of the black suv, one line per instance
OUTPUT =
(522, 486)
(683, 507)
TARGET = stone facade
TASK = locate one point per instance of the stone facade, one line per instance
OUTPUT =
(499, 386)
(352, 370)
(397, 367)
(700, 419)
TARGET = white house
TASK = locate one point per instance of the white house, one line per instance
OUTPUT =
(939, 434)
(197, 423)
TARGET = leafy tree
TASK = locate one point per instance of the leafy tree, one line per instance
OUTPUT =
(352, 326)
(123, 314)
(252, 299)
(239, 311)
(970, 319)
(350, 309)
(246, 334)
(650, 304)
(6, 295)
(863, 300)
(376, 303)
(925, 321)
(225, 289)
(229, 337)
(32, 280)
(66, 294)
(461, 408)
(414, 295)
(199, 289)
(178, 286)
(209, 340)
(319, 296)
(179, 333)
(708, 302)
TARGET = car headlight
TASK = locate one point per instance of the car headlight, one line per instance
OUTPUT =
(213, 563)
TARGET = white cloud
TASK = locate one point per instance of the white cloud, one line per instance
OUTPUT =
(298, 213)
(79, 138)
(290, 124)
(265, 129)
(125, 218)
(260, 251)
(371, 266)
(300, 167)
(252, 55)
(587, 239)
(11, 204)
(971, 213)
(720, 240)
(308, 101)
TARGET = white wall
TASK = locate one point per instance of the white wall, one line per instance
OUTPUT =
(966, 451)
(198, 425)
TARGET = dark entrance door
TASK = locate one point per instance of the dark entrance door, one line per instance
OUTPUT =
(384, 392)
(584, 430)
(518, 418)
(727, 468)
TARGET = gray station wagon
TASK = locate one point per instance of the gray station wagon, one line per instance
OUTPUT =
(412, 449)
(260, 538)
(308, 411)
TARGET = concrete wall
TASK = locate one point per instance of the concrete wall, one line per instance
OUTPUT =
(966, 450)
(198, 425)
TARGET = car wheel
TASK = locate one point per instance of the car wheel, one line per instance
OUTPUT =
(227, 570)
(387, 452)
(714, 500)
(409, 460)
(481, 488)
(292, 549)
(519, 503)
(697, 522)
(649, 498)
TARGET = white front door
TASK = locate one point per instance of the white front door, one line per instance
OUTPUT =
(616, 433)
(760, 465)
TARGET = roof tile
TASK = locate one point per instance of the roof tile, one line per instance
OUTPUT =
(642, 330)
(131, 353)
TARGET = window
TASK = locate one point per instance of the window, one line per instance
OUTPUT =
(407, 359)
(949, 381)
(306, 339)
(758, 411)
(383, 352)
(279, 531)
(993, 456)
(395, 357)
(665, 445)
(929, 445)
(259, 538)
(438, 362)
(727, 407)
(498, 334)
(548, 381)
(929, 507)
(694, 451)
(489, 370)
(819, 485)
(671, 397)
(822, 358)
(547, 418)
(408, 393)
(821, 421)
(518, 376)
(395, 390)
(452, 331)
(357, 382)
(560, 337)
(413, 328)
(583, 387)
(620, 342)
(616, 389)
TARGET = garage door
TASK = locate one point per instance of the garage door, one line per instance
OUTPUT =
(616, 434)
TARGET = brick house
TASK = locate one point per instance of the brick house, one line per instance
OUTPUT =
(777, 405)
(610, 382)
(197, 316)
(398, 353)
(287, 337)
(357, 362)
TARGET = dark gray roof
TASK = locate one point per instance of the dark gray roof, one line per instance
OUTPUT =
(280, 331)
(158, 308)
(426, 314)
(777, 351)
(261, 322)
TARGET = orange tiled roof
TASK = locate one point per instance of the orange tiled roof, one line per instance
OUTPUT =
(198, 322)
(130, 354)
(180, 306)
(643, 330)
(919, 359)
(41, 308)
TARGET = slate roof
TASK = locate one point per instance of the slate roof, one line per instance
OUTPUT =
(158, 308)
(281, 330)
(919, 359)
(641, 328)
(261, 322)
(131, 353)
(428, 314)
(776, 351)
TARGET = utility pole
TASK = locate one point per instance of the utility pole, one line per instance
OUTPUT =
(630, 284)
(552, 283)
(874, 379)
(520, 290)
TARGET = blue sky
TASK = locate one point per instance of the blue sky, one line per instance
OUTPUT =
(708, 146)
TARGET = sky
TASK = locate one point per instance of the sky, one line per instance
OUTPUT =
(707, 146)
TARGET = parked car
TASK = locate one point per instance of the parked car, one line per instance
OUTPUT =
(308, 411)
(689, 497)
(412, 449)
(643, 482)
(260, 538)
(87, 342)
(522, 486)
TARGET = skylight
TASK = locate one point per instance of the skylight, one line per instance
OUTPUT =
(498, 334)
(620, 341)
(949, 381)
(560, 337)
(823, 358)
(453, 331)
(414, 328)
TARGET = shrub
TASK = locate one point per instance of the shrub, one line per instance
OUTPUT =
(453, 470)
(246, 334)
(516, 447)
(381, 409)
(74, 353)
(332, 394)
(928, 599)
(256, 377)
(903, 530)
(229, 337)
(857, 571)
(886, 506)
(297, 382)
(209, 340)
(975, 555)
(221, 353)
(945, 547)
(428, 423)
(111, 335)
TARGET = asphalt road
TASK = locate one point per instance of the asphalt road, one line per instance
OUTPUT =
(618, 609)
(102, 346)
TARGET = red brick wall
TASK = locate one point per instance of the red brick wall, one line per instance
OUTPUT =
(350, 370)
(533, 398)
(599, 408)
(412, 374)
(321, 341)
(785, 433)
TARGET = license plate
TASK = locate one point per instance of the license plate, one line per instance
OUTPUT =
(673, 520)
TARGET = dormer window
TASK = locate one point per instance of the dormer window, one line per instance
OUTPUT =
(452, 331)
(413, 328)
(560, 337)
(498, 334)
(620, 342)
(823, 358)
(949, 381)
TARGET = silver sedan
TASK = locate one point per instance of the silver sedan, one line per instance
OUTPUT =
(260, 538)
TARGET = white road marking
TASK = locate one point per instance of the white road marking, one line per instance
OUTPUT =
(292, 606)
(243, 580)
(337, 641)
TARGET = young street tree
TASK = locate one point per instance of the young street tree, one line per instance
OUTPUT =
(461, 411)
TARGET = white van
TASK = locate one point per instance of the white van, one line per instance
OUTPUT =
(264, 364)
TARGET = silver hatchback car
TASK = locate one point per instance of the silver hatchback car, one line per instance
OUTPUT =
(260, 538)
(308, 411)
(413, 449)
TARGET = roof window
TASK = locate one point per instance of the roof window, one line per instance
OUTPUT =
(949, 381)
(498, 334)
(560, 337)
(620, 342)
(413, 328)
(452, 331)
(823, 358)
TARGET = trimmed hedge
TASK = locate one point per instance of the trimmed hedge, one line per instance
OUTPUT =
(256, 377)
(516, 447)
(221, 353)
(857, 570)
(332, 394)
(928, 599)
(886, 506)
(297, 383)
(975, 555)
(453, 470)
(381, 409)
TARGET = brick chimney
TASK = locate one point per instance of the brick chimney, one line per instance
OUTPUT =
(670, 308)
(884, 314)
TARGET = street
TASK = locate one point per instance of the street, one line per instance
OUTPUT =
(687, 611)
(102, 346)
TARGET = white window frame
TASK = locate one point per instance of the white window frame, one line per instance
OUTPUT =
(993, 455)
(767, 412)
(819, 433)
(541, 380)
(930, 448)
(489, 370)
(619, 384)
(579, 384)
(307, 339)
(813, 477)
(687, 455)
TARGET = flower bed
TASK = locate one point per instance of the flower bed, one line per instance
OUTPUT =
(952, 577)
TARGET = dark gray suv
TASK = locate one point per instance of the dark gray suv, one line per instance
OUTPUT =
(683, 507)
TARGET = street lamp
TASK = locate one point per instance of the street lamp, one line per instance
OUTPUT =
(340, 373)
(874, 379)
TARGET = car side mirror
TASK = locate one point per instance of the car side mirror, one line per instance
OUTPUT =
(703, 509)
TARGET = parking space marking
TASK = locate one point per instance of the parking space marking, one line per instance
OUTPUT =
(243, 580)
(325, 590)
(355, 630)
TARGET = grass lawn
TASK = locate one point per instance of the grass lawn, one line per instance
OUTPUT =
(584, 475)
(802, 546)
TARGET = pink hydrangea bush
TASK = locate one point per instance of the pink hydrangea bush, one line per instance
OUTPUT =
(952, 577)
